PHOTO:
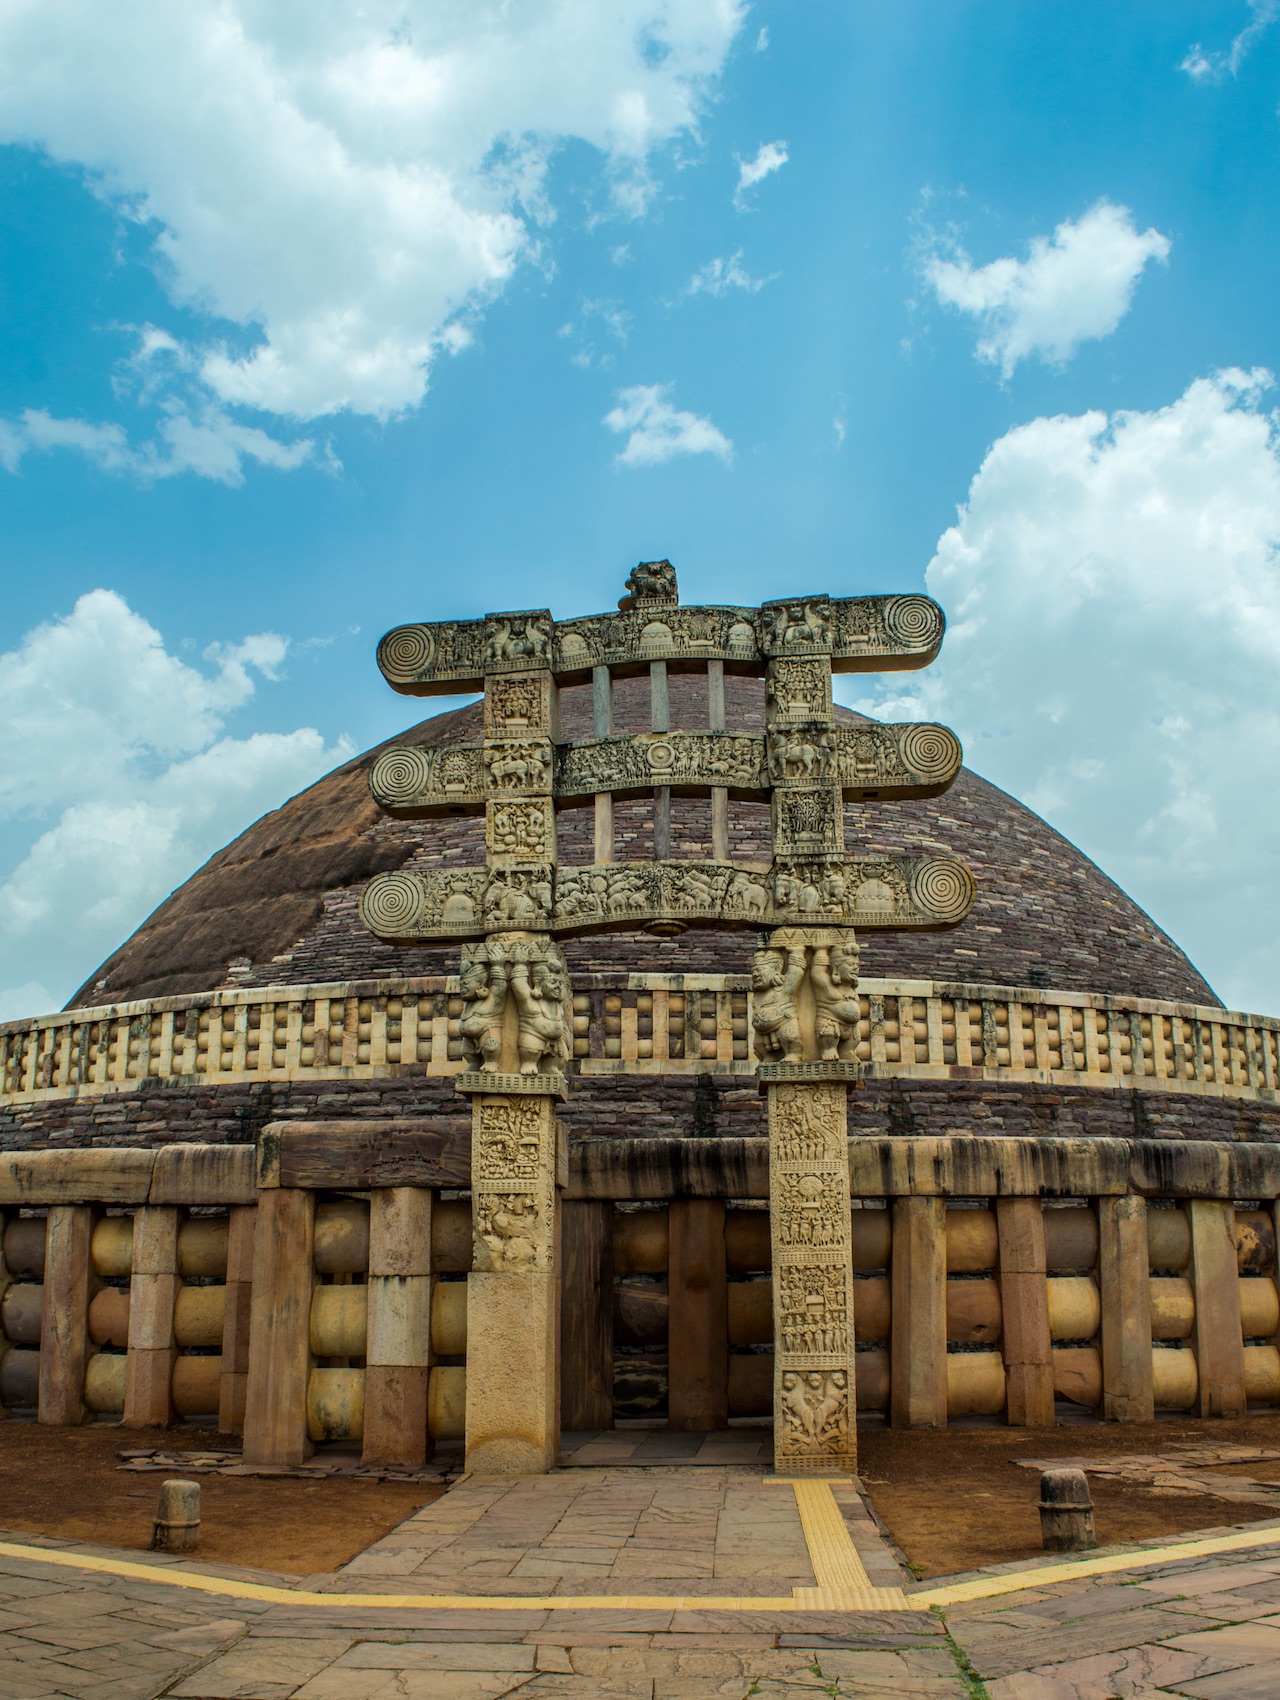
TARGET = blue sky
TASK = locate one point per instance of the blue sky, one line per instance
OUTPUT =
(314, 322)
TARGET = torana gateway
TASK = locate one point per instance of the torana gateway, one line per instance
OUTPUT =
(811, 1079)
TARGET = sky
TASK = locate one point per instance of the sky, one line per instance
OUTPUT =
(318, 319)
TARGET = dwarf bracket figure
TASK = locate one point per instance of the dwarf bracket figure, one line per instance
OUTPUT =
(834, 977)
(484, 995)
(542, 1036)
(773, 1009)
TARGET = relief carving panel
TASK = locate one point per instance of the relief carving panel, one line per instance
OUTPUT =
(813, 1288)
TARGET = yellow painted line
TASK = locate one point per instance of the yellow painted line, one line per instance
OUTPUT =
(837, 1589)
(1132, 1558)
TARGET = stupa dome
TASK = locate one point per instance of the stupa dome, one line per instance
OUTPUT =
(279, 903)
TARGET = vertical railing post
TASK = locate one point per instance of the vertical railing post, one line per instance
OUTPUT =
(275, 1420)
(918, 1330)
(1124, 1270)
(64, 1316)
(398, 1352)
(586, 1314)
(1024, 1301)
(153, 1292)
(698, 1311)
(242, 1222)
(1218, 1342)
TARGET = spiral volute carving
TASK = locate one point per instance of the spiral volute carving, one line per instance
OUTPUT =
(406, 652)
(389, 905)
(400, 776)
(932, 752)
(942, 889)
(913, 621)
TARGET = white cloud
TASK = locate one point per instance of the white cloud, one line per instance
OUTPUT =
(211, 445)
(770, 157)
(762, 40)
(658, 431)
(1213, 66)
(119, 780)
(340, 185)
(1113, 586)
(719, 276)
(1073, 287)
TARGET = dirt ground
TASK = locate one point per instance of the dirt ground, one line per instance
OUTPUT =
(954, 1500)
(65, 1483)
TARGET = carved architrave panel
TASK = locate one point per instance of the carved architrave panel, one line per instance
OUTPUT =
(871, 891)
(858, 634)
(457, 903)
(808, 821)
(908, 760)
(797, 626)
(513, 1164)
(683, 760)
(636, 894)
(519, 641)
(520, 705)
(411, 782)
(516, 767)
(433, 656)
(925, 892)
(916, 759)
(657, 632)
(813, 1291)
(518, 834)
(884, 634)
(798, 691)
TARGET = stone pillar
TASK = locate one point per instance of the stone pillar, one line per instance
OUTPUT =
(242, 1221)
(64, 1317)
(1124, 1287)
(513, 1293)
(275, 1421)
(398, 1352)
(586, 1314)
(153, 1291)
(698, 1311)
(815, 1417)
(1024, 1302)
(918, 1330)
(1218, 1342)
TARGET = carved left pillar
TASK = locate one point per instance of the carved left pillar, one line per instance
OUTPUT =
(513, 1290)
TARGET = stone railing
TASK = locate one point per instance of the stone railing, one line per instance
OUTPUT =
(651, 1023)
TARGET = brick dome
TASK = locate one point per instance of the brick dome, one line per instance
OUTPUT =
(278, 904)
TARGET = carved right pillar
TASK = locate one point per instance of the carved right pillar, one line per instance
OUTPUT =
(811, 1228)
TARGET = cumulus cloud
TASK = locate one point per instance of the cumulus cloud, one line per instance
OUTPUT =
(119, 780)
(770, 157)
(1073, 287)
(1113, 657)
(658, 431)
(719, 276)
(345, 188)
(1213, 66)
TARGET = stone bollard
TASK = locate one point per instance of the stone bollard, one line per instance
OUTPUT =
(1066, 1510)
(177, 1524)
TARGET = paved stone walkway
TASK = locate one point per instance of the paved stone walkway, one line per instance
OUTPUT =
(657, 1552)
